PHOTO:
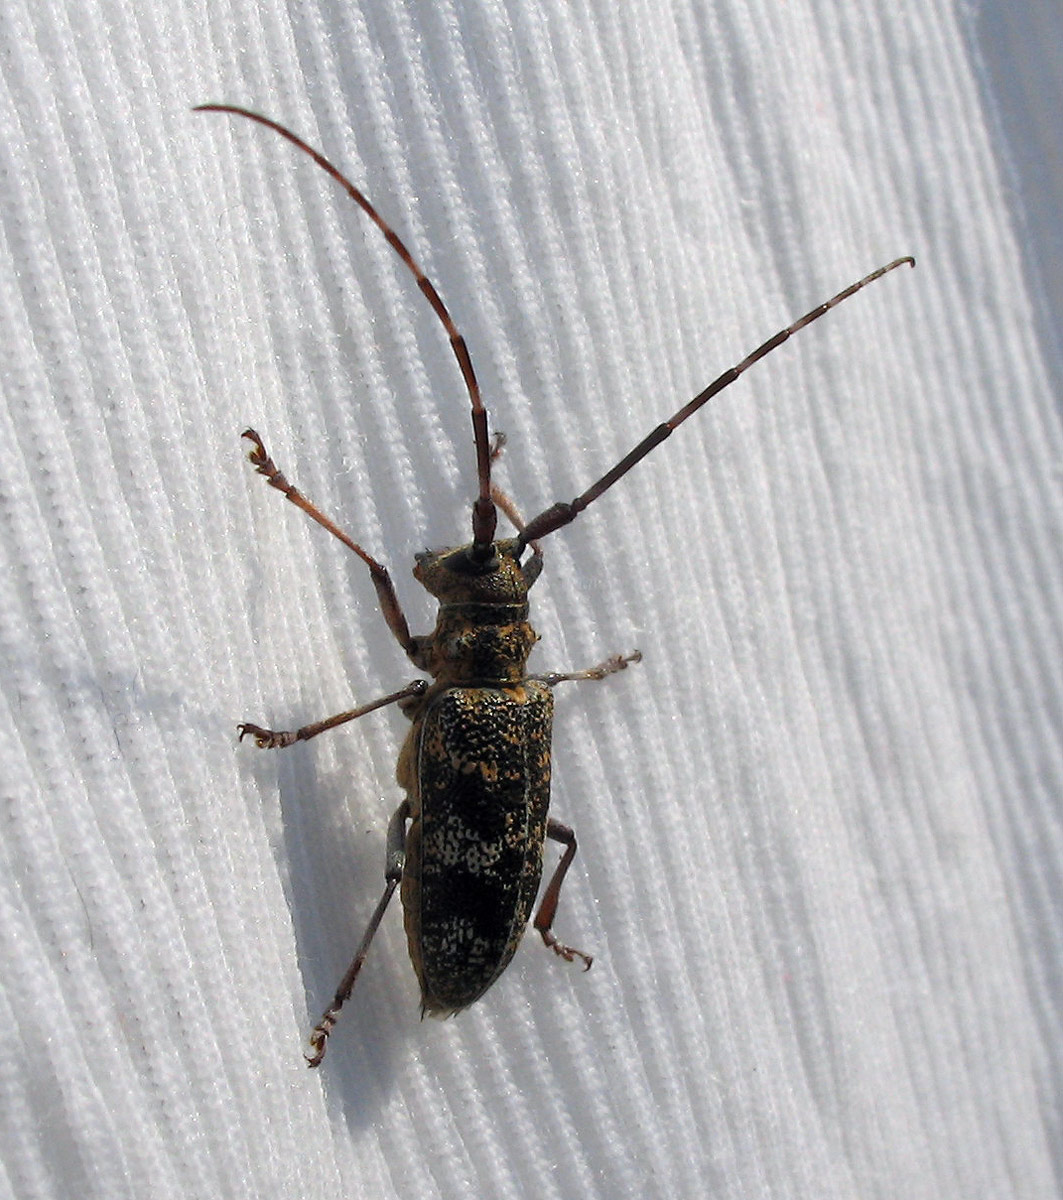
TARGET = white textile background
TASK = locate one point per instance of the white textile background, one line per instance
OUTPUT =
(820, 824)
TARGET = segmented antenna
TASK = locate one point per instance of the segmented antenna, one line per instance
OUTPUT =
(559, 515)
(484, 513)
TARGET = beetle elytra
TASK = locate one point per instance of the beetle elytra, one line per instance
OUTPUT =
(466, 844)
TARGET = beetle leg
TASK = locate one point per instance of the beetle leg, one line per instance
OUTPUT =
(544, 918)
(503, 502)
(396, 860)
(270, 739)
(611, 665)
(385, 589)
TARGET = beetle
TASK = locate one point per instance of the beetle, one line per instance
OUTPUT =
(466, 843)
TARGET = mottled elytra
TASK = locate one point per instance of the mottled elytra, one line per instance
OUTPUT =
(467, 842)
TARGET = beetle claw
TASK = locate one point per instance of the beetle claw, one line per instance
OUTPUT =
(568, 953)
(266, 739)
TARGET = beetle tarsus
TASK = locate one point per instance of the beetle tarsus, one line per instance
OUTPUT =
(267, 739)
(319, 1038)
(568, 953)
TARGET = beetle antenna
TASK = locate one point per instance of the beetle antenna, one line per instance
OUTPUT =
(484, 513)
(559, 515)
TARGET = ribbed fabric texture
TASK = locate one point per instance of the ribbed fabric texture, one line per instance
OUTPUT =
(819, 824)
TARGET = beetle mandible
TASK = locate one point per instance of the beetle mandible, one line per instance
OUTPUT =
(475, 765)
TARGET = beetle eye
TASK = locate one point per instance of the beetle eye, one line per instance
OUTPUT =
(465, 562)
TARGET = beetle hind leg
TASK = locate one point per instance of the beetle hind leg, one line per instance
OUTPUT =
(396, 860)
(544, 918)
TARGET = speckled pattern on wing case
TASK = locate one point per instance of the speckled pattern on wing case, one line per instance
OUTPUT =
(484, 772)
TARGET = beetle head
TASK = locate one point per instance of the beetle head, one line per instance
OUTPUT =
(460, 576)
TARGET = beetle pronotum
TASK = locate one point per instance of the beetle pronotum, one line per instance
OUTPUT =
(475, 765)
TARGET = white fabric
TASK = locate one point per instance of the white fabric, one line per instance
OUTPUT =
(820, 831)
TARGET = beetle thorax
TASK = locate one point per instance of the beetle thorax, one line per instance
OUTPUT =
(482, 633)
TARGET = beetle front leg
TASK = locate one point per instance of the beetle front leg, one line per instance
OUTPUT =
(271, 739)
(385, 589)
(544, 918)
(396, 860)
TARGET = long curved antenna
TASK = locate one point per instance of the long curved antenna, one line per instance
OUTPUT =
(559, 515)
(484, 514)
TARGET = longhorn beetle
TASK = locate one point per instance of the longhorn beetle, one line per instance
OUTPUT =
(475, 765)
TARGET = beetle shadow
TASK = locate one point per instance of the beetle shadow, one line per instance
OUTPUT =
(335, 875)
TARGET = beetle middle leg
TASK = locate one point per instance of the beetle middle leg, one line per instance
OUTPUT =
(274, 739)
(544, 918)
(618, 662)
